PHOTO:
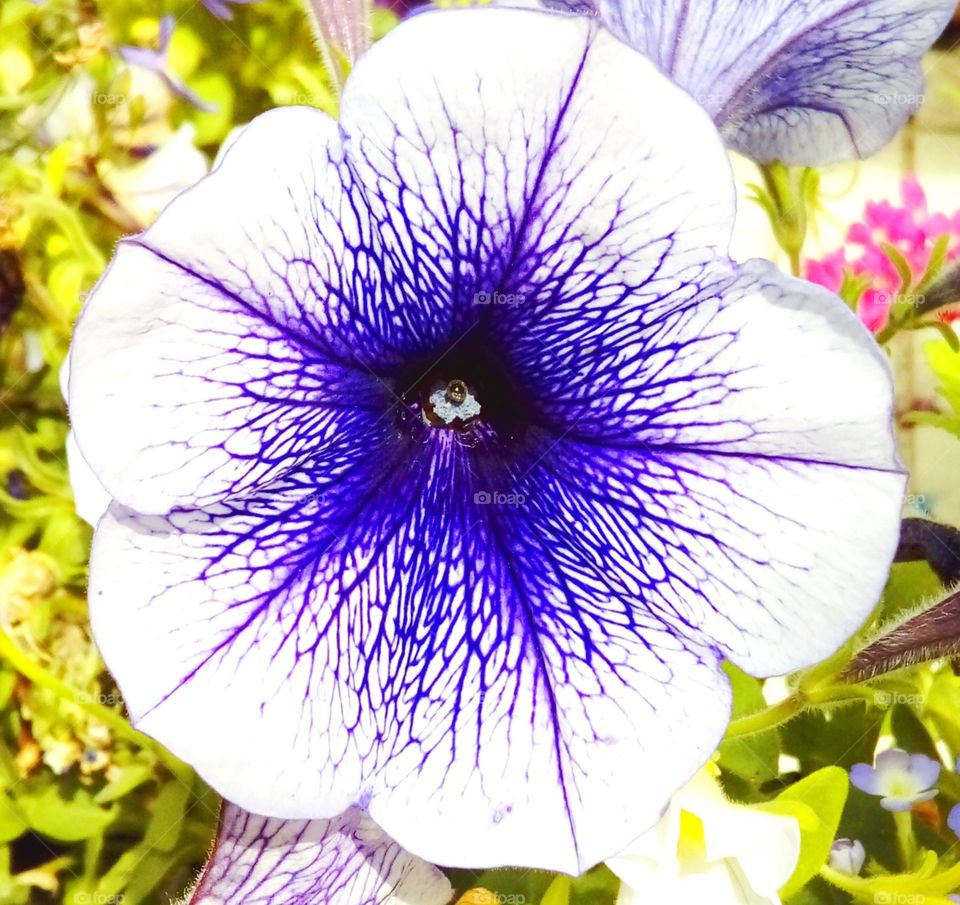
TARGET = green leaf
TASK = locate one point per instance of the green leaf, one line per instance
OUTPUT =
(599, 886)
(943, 361)
(763, 198)
(128, 778)
(754, 758)
(938, 257)
(853, 288)
(8, 679)
(941, 706)
(817, 803)
(163, 831)
(909, 583)
(558, 892)
(154, 867)
(901, 264)
(910, 732)
(68, 816)
(12, 823)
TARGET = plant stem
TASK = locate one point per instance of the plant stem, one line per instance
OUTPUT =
(769, 718)
(795, 266)
(785, 710)
(905, 840)
(924, 885)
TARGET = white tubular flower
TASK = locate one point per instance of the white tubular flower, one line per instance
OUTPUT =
(708, 849)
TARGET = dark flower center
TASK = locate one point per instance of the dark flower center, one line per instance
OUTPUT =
(470, 389)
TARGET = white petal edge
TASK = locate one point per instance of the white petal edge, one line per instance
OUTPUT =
(347, 860)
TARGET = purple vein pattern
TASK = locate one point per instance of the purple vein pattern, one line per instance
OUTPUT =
(323, 588)
(802, 81)
(344, 861)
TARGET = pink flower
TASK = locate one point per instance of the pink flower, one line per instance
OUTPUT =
(911, 229)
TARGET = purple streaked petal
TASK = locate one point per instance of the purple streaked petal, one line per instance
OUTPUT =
(473, 666)
(802, 81)
(747, 488)
(347, 860)
(231, 384)
(383, 275)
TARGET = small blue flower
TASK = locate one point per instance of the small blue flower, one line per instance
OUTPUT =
(156, 61)
(953, 819)
(847, 856)
(899, 778)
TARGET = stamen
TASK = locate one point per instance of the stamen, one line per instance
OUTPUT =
(453, 405)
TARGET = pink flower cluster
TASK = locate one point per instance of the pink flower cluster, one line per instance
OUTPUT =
(911, 229)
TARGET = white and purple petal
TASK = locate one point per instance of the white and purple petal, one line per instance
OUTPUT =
(354, 630)
(801, 81)
(347, 860)
(743, 433)
(320, 600)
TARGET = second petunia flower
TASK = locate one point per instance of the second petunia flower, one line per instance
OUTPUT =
(450, 453)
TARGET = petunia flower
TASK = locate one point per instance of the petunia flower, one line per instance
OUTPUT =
(801, 82)
(911, 228)
(156, 60)
(450, 453)
(901, 780)
(345, 861)
(847, 856)
(708, 849)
